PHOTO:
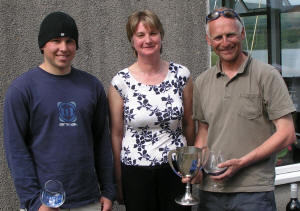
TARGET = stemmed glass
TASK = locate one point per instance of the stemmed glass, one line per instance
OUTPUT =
(211, 167)
(53, 194)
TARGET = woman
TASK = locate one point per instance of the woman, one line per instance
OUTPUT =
(150, 110)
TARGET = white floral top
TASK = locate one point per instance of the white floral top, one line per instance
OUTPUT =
(152, 116)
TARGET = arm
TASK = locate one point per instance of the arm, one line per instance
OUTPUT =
(106, 204)
(284, 136)
(103, 149)
(188, 123)
(200, 141)
(201, 137)
(116, 127)
(19, 158)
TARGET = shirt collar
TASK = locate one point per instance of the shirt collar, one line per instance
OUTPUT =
(241, 69)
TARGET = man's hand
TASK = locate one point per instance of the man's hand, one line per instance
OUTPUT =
(196, 180)
(45, 208)
(106, 204)
(233, 165)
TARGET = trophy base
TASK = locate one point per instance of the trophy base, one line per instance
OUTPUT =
(187, 200)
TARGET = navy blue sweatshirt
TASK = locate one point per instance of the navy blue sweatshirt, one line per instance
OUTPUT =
(55, 127)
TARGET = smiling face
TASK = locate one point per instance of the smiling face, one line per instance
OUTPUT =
(58, 55)
(146, 41)
(225, 37)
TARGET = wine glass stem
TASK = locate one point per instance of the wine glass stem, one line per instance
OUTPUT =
(188, 187)
(218, 186)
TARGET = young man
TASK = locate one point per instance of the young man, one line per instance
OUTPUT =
(243, 110)
(55, 126)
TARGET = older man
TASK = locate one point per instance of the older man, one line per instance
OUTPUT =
(244, 111)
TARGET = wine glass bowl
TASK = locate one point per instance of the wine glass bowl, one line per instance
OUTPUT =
(211, 166)
(53, 194)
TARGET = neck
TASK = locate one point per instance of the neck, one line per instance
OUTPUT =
(55, 71)
(230, 68)
(149, 65)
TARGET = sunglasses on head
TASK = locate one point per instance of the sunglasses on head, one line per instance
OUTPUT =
(225, 13)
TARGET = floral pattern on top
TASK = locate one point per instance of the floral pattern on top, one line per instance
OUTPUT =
(152, 116)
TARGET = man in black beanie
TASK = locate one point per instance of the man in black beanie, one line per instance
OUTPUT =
(55, 127)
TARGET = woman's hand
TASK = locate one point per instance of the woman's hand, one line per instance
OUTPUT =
(106, 204)
(45, 208)
(196, 180)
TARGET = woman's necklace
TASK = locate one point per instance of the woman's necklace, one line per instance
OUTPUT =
(153, 76)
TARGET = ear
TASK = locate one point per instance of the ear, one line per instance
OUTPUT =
(42, 49)
(243, 33)
(208, 40)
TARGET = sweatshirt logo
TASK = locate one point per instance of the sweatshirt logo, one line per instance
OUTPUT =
(67, 114)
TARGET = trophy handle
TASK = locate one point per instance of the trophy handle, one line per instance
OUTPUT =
(171, 161)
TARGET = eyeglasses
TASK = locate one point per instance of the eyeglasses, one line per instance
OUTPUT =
(225, 13)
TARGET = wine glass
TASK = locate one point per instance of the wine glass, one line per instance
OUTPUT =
(211, 167)
(53, 194)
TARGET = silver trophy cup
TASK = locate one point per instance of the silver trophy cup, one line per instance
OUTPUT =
(187, 161)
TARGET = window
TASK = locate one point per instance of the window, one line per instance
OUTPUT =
(290, 44)
(290, 54)
(288, 3)
(256, 37)
(254, 4)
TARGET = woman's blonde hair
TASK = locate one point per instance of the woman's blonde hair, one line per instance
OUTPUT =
(148, 18)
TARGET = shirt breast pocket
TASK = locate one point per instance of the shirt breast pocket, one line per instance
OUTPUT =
(250, 105)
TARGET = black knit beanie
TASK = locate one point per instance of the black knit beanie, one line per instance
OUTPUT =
(57, 24)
